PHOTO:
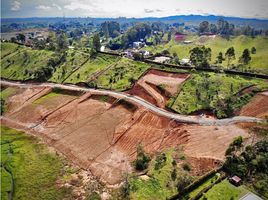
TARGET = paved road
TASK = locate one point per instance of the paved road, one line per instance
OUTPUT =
(138, 101)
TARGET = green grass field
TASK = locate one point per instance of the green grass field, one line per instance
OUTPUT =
(160, 185)
(204, 185)
(74, 59)
(121, 75)
(225, 191)
(209, 91)
(35, 170)
(91, 67)
(9, 48)
(218, 44)
(23, 64)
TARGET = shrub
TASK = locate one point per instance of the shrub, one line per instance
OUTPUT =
(142, 160)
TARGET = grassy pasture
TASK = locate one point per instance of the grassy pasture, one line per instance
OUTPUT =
(218, 44)
(122, 74)
(207, 91)
(34, 168)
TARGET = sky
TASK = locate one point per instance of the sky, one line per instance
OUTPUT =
(133, 8)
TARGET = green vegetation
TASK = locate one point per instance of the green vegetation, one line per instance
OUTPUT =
(204, 185)
(34, 169)
(74, 59)
(250, 162)
(225, 190)
(165, 178)
(122, 75)
(25, 63)
(92, 68)
(219, 44)
(9, 48)
(43, 99)
(5, 94)
(210, 91)
(142, 160)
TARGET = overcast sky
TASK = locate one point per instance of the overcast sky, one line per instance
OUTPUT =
(133, 8)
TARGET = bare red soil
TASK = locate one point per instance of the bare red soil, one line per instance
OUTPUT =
(101, 134)
(257, 107)
(158, 86)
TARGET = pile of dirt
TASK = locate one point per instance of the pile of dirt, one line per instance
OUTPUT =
(257, 107)
(211, 141)
(158, 86)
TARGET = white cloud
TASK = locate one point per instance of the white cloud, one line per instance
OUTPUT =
(57, 6)
(15, 5)
(77, 5)
(43, 7)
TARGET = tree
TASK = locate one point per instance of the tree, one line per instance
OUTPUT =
(21, 37)
(220, 58)
(96, 45)
(213, 28)
(200, 56)
(253, 50)
(203, 27)
(110, 29)
(230, 54)
(169, 35)
(142, 160)
(245, 58)
(62, 43)
(2, 105)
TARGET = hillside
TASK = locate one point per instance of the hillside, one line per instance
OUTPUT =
(218, 44)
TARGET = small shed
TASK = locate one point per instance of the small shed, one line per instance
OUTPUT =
(235, 180)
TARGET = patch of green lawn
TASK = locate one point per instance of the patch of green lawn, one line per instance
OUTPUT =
(121, 75)
(24, 64)
(35, 170)
(6, 93)
(208, 91)
(91, 67)
(204, 185)
(47, 97)
(225, 191)
(74, 59)
(218, 44)
(8, 48)
(160, 185)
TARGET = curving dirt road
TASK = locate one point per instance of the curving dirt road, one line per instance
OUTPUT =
(138, 101)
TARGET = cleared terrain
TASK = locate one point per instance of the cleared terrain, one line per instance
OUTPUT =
(101, 133)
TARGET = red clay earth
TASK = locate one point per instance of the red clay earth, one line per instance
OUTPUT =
(257, 107)
(101, 134)
(158, 86)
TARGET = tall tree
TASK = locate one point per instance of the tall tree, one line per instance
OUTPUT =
(253, 50)
(21, 37)
(204, 27)
(96, 45)
(230, 54)
(220, 58)
(245, 58)
(200, 56)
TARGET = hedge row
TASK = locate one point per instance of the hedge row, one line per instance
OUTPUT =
(195, 184)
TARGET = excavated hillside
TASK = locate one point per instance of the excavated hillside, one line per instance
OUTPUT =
(101, 133)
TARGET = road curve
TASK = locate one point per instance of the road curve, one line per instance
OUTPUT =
(141, 102)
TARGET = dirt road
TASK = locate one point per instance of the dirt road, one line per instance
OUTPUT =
(138, 101)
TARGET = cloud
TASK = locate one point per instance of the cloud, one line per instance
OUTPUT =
(148, 10)
(43, 7)
(152, 11)
(15, 6)
(77, 5)
(57, 6)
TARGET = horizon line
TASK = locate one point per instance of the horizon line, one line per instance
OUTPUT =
(186, 15)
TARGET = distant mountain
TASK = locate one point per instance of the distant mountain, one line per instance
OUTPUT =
(187, 19)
